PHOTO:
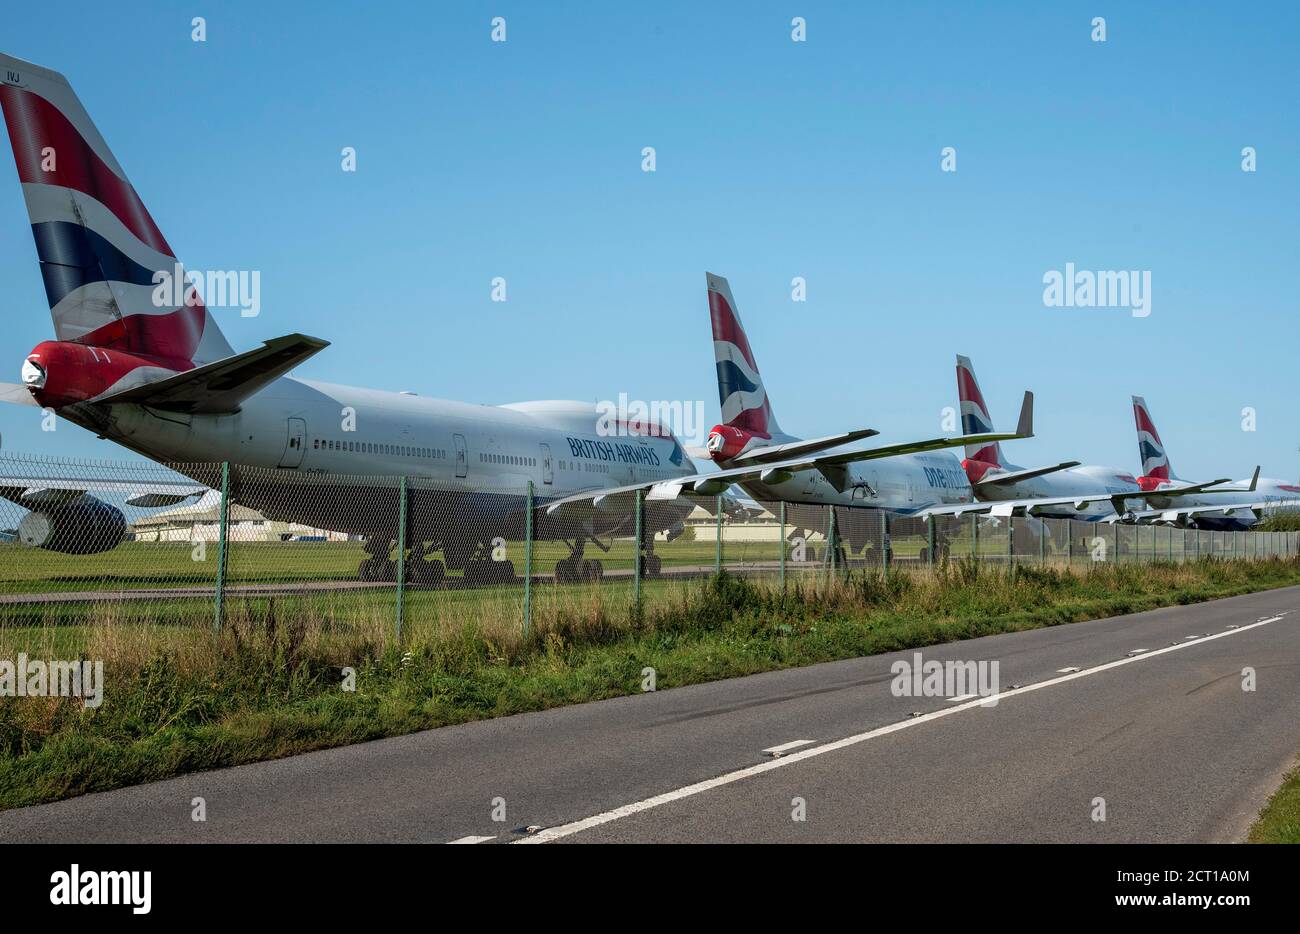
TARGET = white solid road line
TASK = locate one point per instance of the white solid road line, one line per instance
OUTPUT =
(471, 840)
(785, 747)
(961, 697)
(627, 810)
(1066, 671)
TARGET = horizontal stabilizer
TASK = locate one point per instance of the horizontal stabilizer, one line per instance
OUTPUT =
(16, 394)
(1015, 476)
(219, 388)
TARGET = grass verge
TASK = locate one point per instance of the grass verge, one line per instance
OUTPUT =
(178, 699)
(1279, 820)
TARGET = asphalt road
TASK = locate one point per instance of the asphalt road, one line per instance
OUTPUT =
(1166, 736)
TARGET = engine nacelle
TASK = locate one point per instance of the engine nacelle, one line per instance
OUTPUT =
(712, 487)
(85, 526)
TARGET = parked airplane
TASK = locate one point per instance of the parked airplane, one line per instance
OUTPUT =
(752, 451)
(1065, 490)
(1222, 509)
(164, 382)
(994, 479)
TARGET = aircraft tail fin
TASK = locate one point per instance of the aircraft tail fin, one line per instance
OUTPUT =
(98, 246)
(975, 417)
(744, 401)
(1151, 450)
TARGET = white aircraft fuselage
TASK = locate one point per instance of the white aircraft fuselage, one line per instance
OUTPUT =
(1086, 480)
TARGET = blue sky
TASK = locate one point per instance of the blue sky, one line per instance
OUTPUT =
(775, 159)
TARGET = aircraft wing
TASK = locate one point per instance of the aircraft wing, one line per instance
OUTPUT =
(220, 387)
(1118, 502)
(776, 452)
(35, 492)
(834, 467)
(1212, 486)
(1259, 507)
(622, 499)
(1018, 507)
(1015, 476)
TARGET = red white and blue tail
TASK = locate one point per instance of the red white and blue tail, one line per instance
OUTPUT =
(975, 418)
(1155, 460)
(744, 401)
(99, 248)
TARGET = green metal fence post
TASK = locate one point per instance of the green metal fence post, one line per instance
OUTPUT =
(884, 543)
(929, 533)
(782, 546)
(974, 537)
(717, 557)
(1011, 541)
(1042, 543)
(832, 544)
(528, 561)
(223, 526)
(401, 555)
(636, 555)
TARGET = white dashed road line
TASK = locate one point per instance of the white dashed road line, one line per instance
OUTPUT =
(636, 807)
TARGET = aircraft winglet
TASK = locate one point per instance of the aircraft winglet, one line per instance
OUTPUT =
(1025, 426)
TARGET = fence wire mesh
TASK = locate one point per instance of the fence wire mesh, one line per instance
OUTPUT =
(213, 545)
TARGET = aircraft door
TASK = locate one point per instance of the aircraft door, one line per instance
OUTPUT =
(293, 445)
(548, 474)
(462, 456)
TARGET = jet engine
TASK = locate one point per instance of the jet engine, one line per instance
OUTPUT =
(84, 526)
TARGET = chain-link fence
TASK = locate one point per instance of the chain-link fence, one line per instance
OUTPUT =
(214, 545)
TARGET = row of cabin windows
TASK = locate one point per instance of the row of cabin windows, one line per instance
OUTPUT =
(371, 447)
(515, 459)
(585, 467)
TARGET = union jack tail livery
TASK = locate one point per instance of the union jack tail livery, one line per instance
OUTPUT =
(975, 418)
(746, 411)
(1155, 462)
(99, 249)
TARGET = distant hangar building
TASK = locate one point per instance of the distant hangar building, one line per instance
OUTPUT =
(201, 521)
